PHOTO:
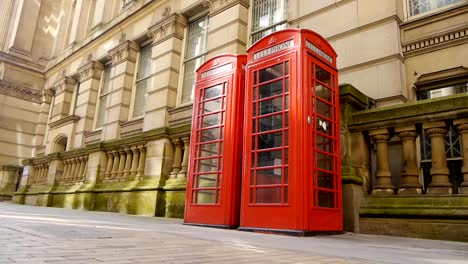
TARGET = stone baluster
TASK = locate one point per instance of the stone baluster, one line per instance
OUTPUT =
(46, 170)
(383, 176)
(69, 168)
(409, 173)
(141, 162)
(65, 170)
(136, 159)
(440, 183)
(73, 169)
(37, 176)
(115, 166)
(177, 163)
(82, 169)
(128, 162)
(83, 174)
(185, 160)
(110, 161)
(121, 164)
(462, 127)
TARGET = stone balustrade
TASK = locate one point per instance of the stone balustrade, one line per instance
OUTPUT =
(408, 127)
(125, 163)
(74, 170)
(39, 174)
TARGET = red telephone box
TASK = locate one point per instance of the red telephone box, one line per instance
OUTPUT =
(291, 177)
(215, 165)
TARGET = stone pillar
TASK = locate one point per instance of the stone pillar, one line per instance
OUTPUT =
(228, 22)
(184, 166)
(115, 167)
(166, 53)
(123, 62)
(80, 21)
(440, 183)
(63, 98)
(383, 185)
(82, 176)
(462, 126)
(136, 159)
(74, 169)
(102, 13)
(89, 78)
(409, 174)
(24, 27)
(128, 162)
(64, 27)
(177, 164)
(110, 161)
(8, 180)
(81, 169)
(65, 171)
(6, 13)
(120, 172)
(141, 162)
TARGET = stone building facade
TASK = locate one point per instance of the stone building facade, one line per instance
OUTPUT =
(96, 100)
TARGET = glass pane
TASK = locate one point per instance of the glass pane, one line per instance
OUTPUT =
(189, 78)
(139, 103)
(267, 177)
(325, 180)
(144, 64)
(212, 106)
(271, 89)
(101, 111)
(206, 165)
(271, 106)
(325, 161)
(210, 134)
(207, 180)
(106, 80)
(322, 75)
(324, 126)
(213, 91)
(207, 150)
(206, 196)
(324, 109)
(197, 37)
(270, 158)
(269, 195)
(270, 140)
(212, 120)
(286, 194)
(271, 73)
(323, 92)
(326, 199)
(270, 123)
(324, 144)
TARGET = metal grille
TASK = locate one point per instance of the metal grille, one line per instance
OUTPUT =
(144, 70)
(194, 55)
(417, 7)
(268, 16)
(105, 89)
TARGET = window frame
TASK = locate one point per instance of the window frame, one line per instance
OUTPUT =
(256, 32)
(147, 44)
(407, 6)
(107, 66)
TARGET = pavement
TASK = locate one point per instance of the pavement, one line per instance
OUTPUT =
(30, 234)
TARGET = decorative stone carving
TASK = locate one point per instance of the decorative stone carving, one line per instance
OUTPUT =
(218, 6)
(21, 92)
(92, 69)
(65, 84)
(172, 26)
(127, 51)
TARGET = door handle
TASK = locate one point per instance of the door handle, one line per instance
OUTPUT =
(308, 120)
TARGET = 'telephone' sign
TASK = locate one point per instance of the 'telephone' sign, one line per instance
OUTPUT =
(319, 52)
(282, 46)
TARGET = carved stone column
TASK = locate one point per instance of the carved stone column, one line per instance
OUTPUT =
(462, 126)
(409, 173)
(83, 173)
(136, 159)
(141, 163)
(440, 183)
(74, 169)
(121, 164)
(128, 162)
(79, 175)
(383, 185)
(115, 167)
(177, 163)
(110, 161)
(65, 170)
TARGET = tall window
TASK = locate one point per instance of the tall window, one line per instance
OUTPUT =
(194, 55)
(103, 96)
(268, 16)
(142, 80)
(417, 7)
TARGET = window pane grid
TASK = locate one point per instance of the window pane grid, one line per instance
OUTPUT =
(105, 90)
(417, 7)
(268, 16)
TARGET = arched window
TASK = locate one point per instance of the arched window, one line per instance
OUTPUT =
(60, 144)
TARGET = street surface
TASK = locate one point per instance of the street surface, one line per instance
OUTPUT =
(30, 234)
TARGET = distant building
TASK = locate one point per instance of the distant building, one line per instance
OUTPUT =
(96, 100)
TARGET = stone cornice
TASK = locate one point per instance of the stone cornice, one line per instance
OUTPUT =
(11, 59)
(92, 69)
(65, 84)
(218, 6)
(435, 42)
(172, 26)
(126, 51)
(65, 121)
(21, 92)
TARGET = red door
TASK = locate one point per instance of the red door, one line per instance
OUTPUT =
(268, 190)
(213, 187)
(323, 163)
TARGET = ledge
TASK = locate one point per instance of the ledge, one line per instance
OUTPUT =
(65, 121)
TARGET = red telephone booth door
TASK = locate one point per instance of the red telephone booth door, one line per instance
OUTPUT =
(213, 187)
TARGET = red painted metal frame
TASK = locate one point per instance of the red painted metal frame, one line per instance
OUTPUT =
(223, 211)
(307, 206)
